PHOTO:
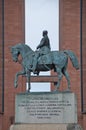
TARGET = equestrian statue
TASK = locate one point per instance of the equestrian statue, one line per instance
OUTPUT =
(43, 59)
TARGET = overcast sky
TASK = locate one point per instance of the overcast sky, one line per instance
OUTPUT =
(41, 15)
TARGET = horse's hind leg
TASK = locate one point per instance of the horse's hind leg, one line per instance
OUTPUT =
(59, 72)
(67, 77)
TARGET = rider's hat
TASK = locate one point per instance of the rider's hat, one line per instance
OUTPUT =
(45, 32)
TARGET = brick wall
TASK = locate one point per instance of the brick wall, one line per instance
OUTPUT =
(70, 35)
(70, 39)
(13, 34)
(1, 56)
(83, 63)
(83, 45)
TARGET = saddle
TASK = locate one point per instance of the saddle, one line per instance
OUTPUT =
(45, 59)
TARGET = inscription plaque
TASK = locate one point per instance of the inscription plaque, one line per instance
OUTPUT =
(46, 108)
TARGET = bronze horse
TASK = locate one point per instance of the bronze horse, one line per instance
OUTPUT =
(56, 60)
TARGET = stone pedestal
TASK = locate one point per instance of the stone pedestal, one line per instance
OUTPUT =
(46, 111)
(49, 107)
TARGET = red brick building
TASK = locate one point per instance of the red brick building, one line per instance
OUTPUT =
(72, 36)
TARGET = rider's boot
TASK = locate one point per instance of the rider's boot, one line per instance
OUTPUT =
(34, 67)
(35, 59)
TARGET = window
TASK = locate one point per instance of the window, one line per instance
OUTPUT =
(41, 15)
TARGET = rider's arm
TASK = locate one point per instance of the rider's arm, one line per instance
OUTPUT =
(41, 43)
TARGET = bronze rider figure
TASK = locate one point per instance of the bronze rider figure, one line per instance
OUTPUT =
(44, 48)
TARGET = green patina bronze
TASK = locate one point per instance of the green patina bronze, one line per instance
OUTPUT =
(43, 59)
(56, 60)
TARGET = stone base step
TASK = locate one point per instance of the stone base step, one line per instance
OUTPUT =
(46, 127)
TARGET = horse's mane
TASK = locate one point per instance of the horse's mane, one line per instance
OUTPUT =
(25, 46)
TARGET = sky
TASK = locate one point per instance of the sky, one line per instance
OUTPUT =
(41, 15)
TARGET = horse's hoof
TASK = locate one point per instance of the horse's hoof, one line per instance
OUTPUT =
(27, 91)
(67, 90)
(15, 85)
(56, 90)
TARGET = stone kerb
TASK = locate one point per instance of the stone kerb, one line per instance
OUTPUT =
(46, 127)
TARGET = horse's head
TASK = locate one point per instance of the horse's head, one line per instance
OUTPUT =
(21, 49)
(15, 53)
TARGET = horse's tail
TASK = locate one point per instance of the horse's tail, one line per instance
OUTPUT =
(73, 58)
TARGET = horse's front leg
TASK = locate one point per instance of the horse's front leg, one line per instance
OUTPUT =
(28, 87)
(16, 77)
